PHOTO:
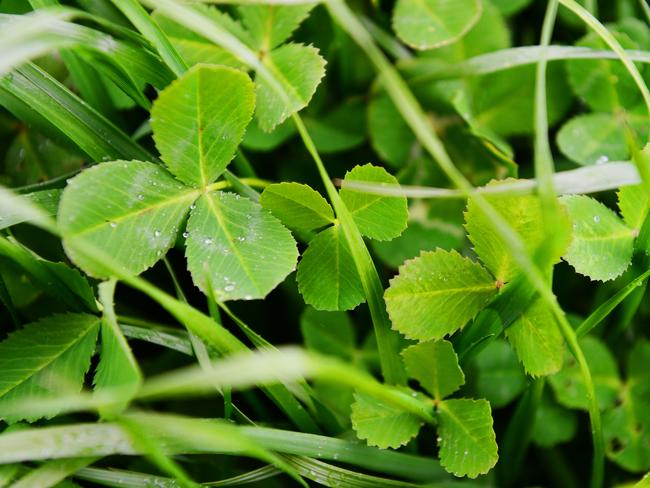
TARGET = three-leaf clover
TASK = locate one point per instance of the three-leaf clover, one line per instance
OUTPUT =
(327, 275)
(437, 293)
(466, 438)
(132, 210)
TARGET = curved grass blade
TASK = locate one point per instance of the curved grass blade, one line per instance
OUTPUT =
(83, 125)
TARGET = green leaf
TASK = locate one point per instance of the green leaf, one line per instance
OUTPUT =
(602, 244)
(199, 120)
(298, 206)
(258, 140)
(118, 372)
(634, 205)
(130, 210)
(237, 247)
(509, 7)
(569, 387)
(537, 340)
(500, 378)
(298, 70)
(524, 214)
(553, 424)
(271, 25)
(593, 139)
(327, 276)
(627, 426)
(379, 217)
(44, 359)
(389, 135)
(330, 333)
(502, 102)
(426, 24)
(437, 293)
(435, 366)
(604, 85)
(381, 424)
(465, 436)
(195, 49)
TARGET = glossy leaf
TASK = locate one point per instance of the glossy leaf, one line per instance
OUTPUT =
(523, 213)
(237, 247)
(327, 276)
(568, 385)
(378, 217)
(199, 120)
(435, 366)
(271, 25)
(426, 24)
(634, 205)
(381, 424)
(44, 359)
(594, 138)
(466, 438)
(299, 70)
(602, 244)
(130, 209)
(298, 206)
(437, 293)
(537, 340)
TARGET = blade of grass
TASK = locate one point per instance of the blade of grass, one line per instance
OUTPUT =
(82, 124)
(504, 59)
(588, 179)
(148, 27)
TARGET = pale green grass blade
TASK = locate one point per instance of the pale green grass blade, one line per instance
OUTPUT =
(199, 120)
(243, 250)
(131, 210)
(424, 70)
(59, 354)
(51, 473)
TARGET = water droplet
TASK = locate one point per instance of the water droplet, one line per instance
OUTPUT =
(229, 287)
(156, 233)
(106, 157)
(248, 297)
(237, 196)
(241, 238)
(602, 159)
(193, 206)
(207, 241)
(113, 224)
(466, 452)
(186, 235)
(141, 197)
(596, 218)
